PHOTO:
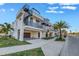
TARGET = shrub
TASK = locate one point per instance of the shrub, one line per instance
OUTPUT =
(59, 39)
(47, 38)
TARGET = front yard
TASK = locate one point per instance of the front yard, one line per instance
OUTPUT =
(32, 52)
(7, 41)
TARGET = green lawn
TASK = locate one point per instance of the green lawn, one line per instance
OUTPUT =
(32, 52)
(7, 41)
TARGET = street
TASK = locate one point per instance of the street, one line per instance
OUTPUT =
(71, 47)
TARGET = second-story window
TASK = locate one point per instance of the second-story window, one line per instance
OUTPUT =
(31, 17)
(31, 20)
(37, 20)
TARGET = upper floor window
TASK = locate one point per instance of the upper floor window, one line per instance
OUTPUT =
(37, 20)
(31, 17)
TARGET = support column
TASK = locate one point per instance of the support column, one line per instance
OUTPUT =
(21, 35)
(40, 34)
(43, 34)
(15, 34)
(53, 34)
(21, 29)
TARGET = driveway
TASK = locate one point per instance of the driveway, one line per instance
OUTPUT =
(53, 48)
(49, 47)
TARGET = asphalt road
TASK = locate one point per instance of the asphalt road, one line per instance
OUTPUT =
(71, 47)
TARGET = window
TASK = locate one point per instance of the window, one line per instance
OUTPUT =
(18, 33)
(37, 20)
(31, 20)
(31, 17)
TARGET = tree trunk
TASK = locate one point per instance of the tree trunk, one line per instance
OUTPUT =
(6, 34)
(60, 35)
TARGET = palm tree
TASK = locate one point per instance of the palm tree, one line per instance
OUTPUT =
(55, 26)
(6, 28)
(47, 34)
(64, 33)
(59, 26)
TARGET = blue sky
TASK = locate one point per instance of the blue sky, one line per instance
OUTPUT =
(53, 11)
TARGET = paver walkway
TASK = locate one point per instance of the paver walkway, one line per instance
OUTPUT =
(49, 47)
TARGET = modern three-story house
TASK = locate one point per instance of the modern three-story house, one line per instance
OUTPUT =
(30, 24)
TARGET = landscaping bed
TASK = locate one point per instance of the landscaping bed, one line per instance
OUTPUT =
(32, 52)
(60, 39)
(9, 41)
(48, 38)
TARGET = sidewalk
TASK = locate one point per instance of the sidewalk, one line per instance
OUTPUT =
(13, 49)
(49, 48)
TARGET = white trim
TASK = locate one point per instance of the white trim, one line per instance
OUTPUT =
(33, 28)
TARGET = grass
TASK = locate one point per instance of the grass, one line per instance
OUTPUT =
(7, 41)
(32, 52)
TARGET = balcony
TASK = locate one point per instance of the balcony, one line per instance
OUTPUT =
(36, 25)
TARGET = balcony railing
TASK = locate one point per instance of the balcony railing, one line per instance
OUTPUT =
(36, 25)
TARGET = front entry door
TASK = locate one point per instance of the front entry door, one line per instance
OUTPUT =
(27, 35)
(38, 34)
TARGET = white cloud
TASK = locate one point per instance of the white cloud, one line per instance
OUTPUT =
(69, 7)
(61, 6)
(63, 3)
(12, 9)
(50, 3)
(53, 8)
(51, 11)
(2, 3)
(54, 11)
(4, 10)
(61, 12)
(67, 4)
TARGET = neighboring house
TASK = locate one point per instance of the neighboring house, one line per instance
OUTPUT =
(30, 24)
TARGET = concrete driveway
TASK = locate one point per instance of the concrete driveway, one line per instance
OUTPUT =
(53, 48)
(49, 47)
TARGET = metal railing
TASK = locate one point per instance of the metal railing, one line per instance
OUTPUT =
(34, 25)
